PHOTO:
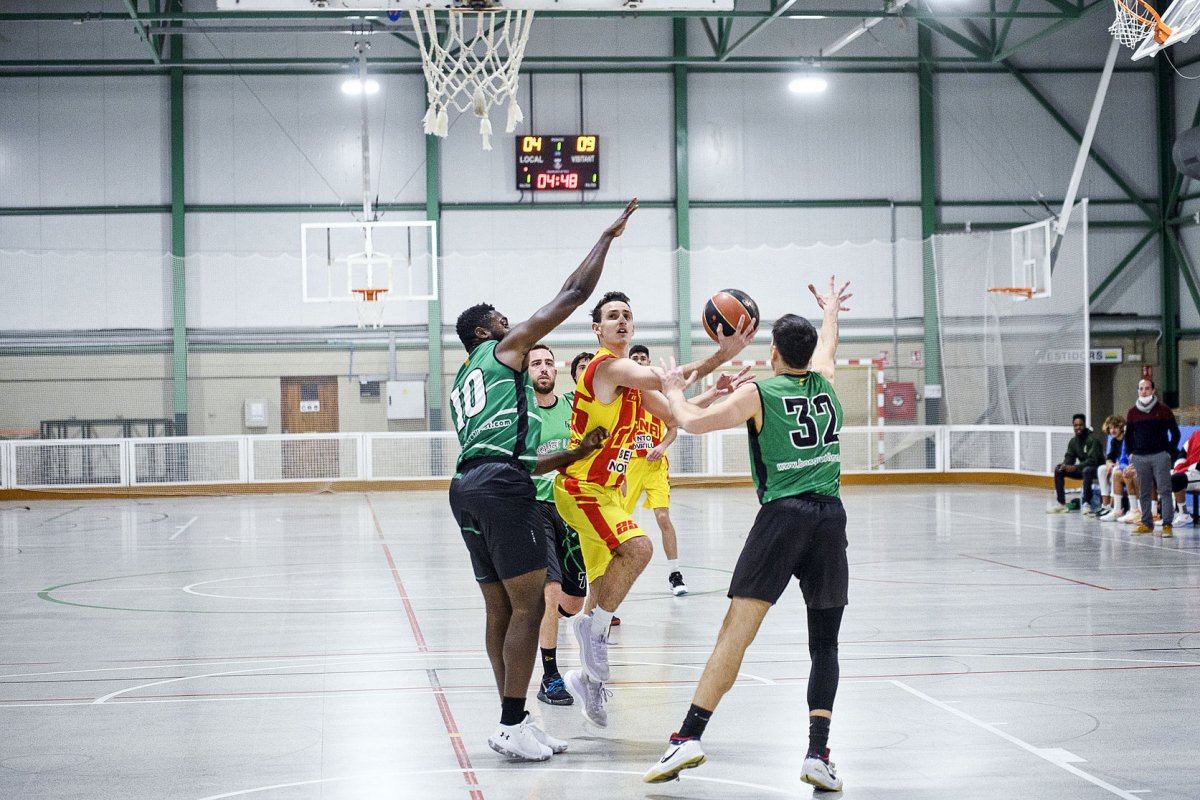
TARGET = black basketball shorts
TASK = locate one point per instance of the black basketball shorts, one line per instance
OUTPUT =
(564, 559)
(802, 536)
(495, 506)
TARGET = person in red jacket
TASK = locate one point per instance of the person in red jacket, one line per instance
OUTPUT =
(1184, 475)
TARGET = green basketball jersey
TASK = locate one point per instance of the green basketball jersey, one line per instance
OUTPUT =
(797, 451)
(556, 435)
(493, 409)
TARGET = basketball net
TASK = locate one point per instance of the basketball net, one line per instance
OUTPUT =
(472, 71)
(1135, 22)
(370, 307)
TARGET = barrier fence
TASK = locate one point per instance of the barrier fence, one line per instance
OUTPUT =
(205, 460)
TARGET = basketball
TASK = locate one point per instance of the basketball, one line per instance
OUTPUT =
(725, 309)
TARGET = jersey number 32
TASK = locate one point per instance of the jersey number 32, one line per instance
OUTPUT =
(804, 408)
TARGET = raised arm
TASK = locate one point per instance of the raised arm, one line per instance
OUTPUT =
(825, 354)
(742, 405)
(577, 289)
(627, 372)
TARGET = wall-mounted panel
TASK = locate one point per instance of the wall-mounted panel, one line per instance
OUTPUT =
(283, 139)
(750, 138)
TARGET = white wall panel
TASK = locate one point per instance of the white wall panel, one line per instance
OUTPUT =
(518, 260)
(1136, 291)
(84, 272)
(82, 141)
(286, 139)
(750, 138)
(995, 140)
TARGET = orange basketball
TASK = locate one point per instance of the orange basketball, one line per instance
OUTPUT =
(725, 309)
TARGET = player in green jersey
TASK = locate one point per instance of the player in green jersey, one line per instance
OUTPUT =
(792, 419)
(492, 495)
(566, 577)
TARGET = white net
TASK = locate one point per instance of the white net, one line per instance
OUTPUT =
(1132, 25)
(475, 66)
(1008, 360)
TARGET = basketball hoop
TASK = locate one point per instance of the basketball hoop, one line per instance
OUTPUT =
(1016, 291)
(1137, 21)
(370, 307)
(472, 70)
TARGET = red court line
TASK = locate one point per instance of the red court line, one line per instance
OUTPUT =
(1036, 572)
(460, 750)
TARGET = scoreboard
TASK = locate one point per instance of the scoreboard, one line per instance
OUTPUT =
(549, 163)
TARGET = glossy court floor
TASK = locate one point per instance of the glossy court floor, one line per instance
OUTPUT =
(330, 646)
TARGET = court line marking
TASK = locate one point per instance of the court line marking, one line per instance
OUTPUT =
(460, 750)
(183, 528)
(1053, 755)
(537, 770)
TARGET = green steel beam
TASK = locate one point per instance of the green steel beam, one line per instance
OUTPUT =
(143, 34)
(1185, 268)
(179, 364)
(979, 51)
(757, 28)
(436, 391)
(1004, 29)
(683, 230)
(934, 414)
(1084, 11)
(1099, 160)
(867, 65)
(339, 208)
(1116, 224)
(1174, 200)
(1121, 265)
(1169, 286)
(334, 15)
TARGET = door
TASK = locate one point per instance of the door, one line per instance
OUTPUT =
(309, 405)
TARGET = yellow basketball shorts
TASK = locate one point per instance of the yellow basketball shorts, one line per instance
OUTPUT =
(649, 477)
(598, 515)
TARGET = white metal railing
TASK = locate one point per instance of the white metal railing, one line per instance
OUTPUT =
(183, 460)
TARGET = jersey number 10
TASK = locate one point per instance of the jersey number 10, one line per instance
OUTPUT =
(469, 399)
(804, 408)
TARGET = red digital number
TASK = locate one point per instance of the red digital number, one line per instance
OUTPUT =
(542, 180)
(572, 181)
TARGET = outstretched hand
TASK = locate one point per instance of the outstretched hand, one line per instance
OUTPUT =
(730, 346)
(618, 227)
(672, 377)
(593, 439)
(727, 382)
(836, 298)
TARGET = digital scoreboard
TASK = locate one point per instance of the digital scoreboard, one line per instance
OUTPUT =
(549, 163)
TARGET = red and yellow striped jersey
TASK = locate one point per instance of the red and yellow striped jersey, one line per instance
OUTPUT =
(606, 466)
(649, 434)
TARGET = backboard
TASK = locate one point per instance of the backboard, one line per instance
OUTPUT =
(339, 260)
(1031, 250)
(1183, 18)
(615, 6)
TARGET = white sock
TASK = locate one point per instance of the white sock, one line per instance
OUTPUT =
(672, 565)
(601, 619)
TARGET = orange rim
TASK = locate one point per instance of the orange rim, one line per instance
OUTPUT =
(369, 295)
(1025, 290)
(1161, 31)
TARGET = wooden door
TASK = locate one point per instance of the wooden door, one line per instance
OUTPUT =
(309, 405)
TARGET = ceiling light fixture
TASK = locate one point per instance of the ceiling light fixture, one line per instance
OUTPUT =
(353, 86)
(808, 84)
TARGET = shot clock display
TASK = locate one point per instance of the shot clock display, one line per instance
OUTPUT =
(548, 163)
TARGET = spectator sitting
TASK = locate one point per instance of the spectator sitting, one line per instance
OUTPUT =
(1085, 452)
(1185, 476)
(1116, 460)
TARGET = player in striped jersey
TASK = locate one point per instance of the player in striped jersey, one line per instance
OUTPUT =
(611, 394)
(492, 495)
(792, 420)
(649, 473)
